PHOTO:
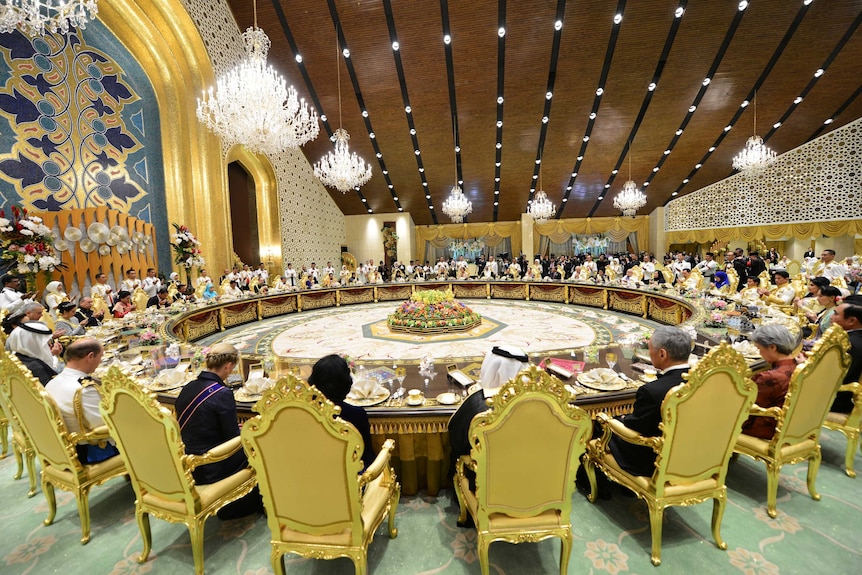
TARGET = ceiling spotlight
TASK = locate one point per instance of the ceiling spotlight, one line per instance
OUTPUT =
(499, 145)
(558, 25)
(499, 123)
(369, 211)
(592, 115)
(744, 103)
(601, 197)
(544, 119)
(549, 95)
(568, 188)
(615, 172)
(346, 53)
(692, 109)
(618, 18)
(412, 131)
(666, 152)
(607, 186)
(497, 164)
(457, 149)
(364, 113)
(776, 125)
(416, 152)
(408, 109)
(798, 100)
(299, 58)
(586, 138)
(818, 73)
(447, 39)
(535, 177)
(679, 12)
(675, 193)
(697, 166)
(574, 174)
(501, 32)
(395, 46)
(538, 161)
(379, 155)
(685, 181)
(728, 128)
(372, 135)
(743, 5)
(496, 179)
(711, 149)
(499, 99)
(706, 81)
(364, 201)
(427, 196)
(651, 86)
(323, 117)
(655, 169)
(580, 158)
(827, 122)
(400, 209)
(679, 132)
(421, 170)
(600, 91)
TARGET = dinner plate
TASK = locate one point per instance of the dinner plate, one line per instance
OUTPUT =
(368, 401)
(157, 386)
(448, 398)
(613, 385)
(245, 396)
(414, 403)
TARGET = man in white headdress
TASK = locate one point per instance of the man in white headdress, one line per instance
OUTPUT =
(502, 364)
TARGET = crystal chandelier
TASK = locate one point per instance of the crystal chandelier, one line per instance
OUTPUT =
(34, 17)
(541, 207)
(755, 156)
(457, 206)
(631, 199)
(341, 169)
(253, 106)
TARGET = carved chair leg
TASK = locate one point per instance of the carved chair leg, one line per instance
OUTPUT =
(656, 514)
(482, 545)
(30, 457)
(4, 437)
(718, 504)
(276, 560)
(143, 519)
(48, 490)
(462, 505)
(360, 561)
(590, 468)
(393, 507)
(82, 498)
(19, 459)
(772, 473)
(565, 551)
(196, 532)
(813, 468)
(850, 455)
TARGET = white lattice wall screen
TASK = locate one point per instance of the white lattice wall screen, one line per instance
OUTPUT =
(818, 181)
(312, 226)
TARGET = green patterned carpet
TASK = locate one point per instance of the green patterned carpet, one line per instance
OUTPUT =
(609, 537)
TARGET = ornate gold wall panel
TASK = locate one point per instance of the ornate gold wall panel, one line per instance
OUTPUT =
(280, 306)
(594, 297)
(470, 290)
(547, 293)
(361, 295)
(311, 300)
(502, 291)
(236, 314)
(628, 302)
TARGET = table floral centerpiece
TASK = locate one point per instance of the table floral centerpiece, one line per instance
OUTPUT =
(433, 311)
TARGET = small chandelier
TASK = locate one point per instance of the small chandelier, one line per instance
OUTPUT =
(341, 169)
(631, 199)
(541, 207)
(755, 156)
(457, 206)
(34, 17)
(253, 106)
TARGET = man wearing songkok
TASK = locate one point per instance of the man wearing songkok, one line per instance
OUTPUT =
(82, 359)
(206, 412)
(849, 316)
(669, 348)
(502, 364)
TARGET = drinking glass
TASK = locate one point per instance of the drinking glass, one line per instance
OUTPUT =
(400, 374)
(611, 359)
(732, 334)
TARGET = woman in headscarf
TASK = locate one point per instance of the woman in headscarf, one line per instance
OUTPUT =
(210, 293)
(54, 296)
(34, 344)
(502, 364)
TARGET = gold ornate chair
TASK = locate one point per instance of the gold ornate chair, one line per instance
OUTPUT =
(148, 437)
(100, 305)
(525, 454)
(317, 502)
(140, 298)
(43, 424)
(850, 424)
(794, 268)
(22, 449)
(700, 420)
(797, 434)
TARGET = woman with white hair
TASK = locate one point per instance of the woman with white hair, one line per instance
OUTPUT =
(502, 364)
(34, 344)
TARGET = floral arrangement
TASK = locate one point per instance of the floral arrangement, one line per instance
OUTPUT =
(690, 293)
(26, 241)
(718, 304)
(187, 252)
(149, 337)
(433, 310)
(390, 242)
(715, 319)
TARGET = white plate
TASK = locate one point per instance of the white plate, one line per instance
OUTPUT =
(368, 401)
(245, 396)
(448, 398)
(614, 385)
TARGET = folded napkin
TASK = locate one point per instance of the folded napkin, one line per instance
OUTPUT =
(600, 375)
(746, 348)
(365, 388)
(170, 378)
(258, 385)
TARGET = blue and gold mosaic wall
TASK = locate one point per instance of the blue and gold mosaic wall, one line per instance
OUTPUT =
(79, 128)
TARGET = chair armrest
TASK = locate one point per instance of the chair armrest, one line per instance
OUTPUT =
(773, 412)
(217, 453)
(379, 465)
(854, 387)
(616, 427)
(98, 435)
(465, 461)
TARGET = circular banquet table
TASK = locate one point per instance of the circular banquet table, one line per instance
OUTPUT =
(422, 446)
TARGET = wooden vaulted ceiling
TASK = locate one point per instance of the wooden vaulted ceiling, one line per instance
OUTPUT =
(556, 62)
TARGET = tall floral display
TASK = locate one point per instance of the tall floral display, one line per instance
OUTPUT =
(187, 251)
(27, 244)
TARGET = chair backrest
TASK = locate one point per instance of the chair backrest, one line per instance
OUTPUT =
(527, 447)
(38, 415)
(140, 298)
(701, 419)
(812, 389)
(793, 268)
(149, 440)
(100, 305)
(308, 485)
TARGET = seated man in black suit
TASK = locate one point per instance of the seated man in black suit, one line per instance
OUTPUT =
(669, 348)
(161, 299)
(849, 316)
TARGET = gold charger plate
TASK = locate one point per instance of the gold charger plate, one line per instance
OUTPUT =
(368, 401)
(448, 398)
(245, 396)
(613, 385)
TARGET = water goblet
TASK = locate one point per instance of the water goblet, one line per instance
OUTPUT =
(611, 359)
(400, 374)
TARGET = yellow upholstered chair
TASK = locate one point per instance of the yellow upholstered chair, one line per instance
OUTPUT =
(850, 424)
(148, 437)
(797, 434)
(701, 419)
(100, 305)
(172, 291)
(317, 502)
(55, 446)
(794, 268)
(140, 298)
(525, 454)
(22, 449)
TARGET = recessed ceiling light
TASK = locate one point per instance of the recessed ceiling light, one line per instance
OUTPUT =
(499, 123)
(364, 201)
(408, 109)
(675, 193)
(744, 103)
(558, 25)
(447, 39)
(600, 91)
(496, 179)
(574, 174)
(549, 95)
(646, 184)
(592, 115)
(655, 169)
(323, 117)
(421, 170)
(499, 145)
(697, 166)
(430, 207)
(538, 161)
(371, 135)
(618, 18)
(711, 149)
(497, 164)
(728, 128)
(685, 181)
(395, 46)
(395, 198)
(827, 122)
(798, 100)
(601, 197)
(743, 5)
(568, 188)
(390, 186)
(400, 209)
(425, 184)
(496, 203)
(501, 32)
(615, 172)
(706, 81)
(535, 177)
(818, 73)
(666, 152)
(412, 131)
(586, 138)
(369, 211)
(580, 158)
(416, 152)
(776, 125)
(427, 197)
(679, 132)
(385, 172)
(364, 113)
(379, 155)
(692, 109)
(299, 58)
(565, 199)
(499, 99)
(544, 119)
(457, 149)
(651, 86)
(496, 192)
(679, 12)
(460, 182)
(607, 186)
(532, 190)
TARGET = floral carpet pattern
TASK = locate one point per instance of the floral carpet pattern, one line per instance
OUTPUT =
(610, 537)
(360, 331)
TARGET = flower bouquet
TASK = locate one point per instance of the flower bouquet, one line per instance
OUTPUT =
(187, 252)
(27, 243)
(715, 319)
(150, 337)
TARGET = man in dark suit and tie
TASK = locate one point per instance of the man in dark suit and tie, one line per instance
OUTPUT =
(849, 316)
(669, 348)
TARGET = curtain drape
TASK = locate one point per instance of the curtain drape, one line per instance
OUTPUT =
(561, 248)
(510, 230)
(616, 229)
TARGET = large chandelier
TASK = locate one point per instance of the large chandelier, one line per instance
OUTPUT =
(34, 17)
(341, 169)
(541, 207)
(631, 199)
(253, 106)
(457, 206)
(755, 156)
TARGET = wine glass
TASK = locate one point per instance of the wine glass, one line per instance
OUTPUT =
(611, 359)
(400, 374)
(732, 334)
